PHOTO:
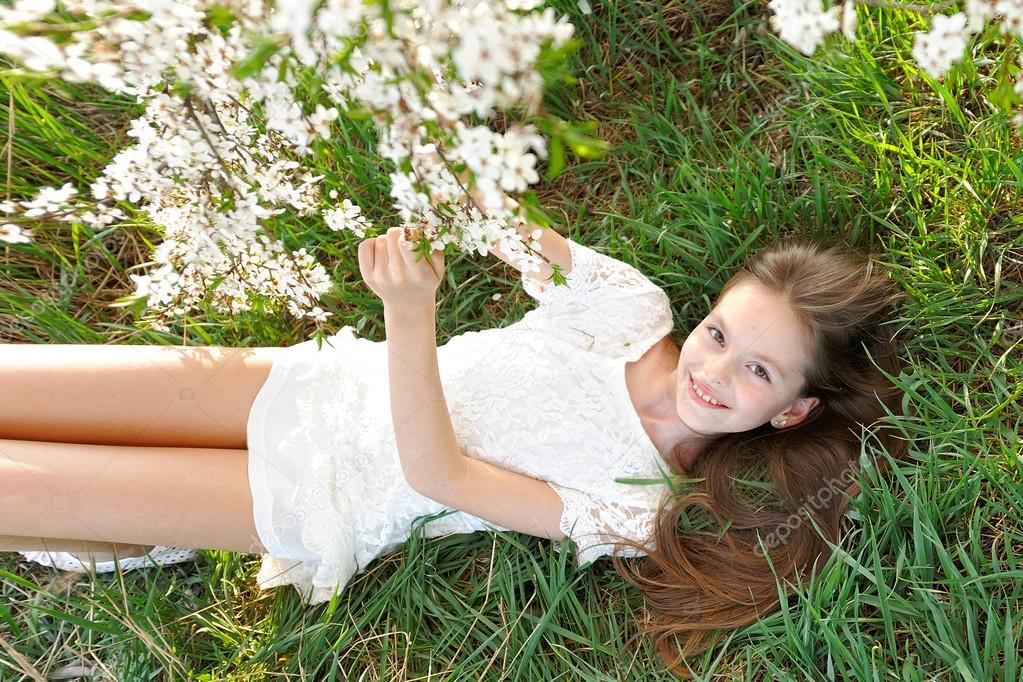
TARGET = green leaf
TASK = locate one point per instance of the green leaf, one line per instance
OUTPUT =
(557, 276)
(255, 61)
(342, 59)
(356, 112)
(181, 88)
(534, 213)
(1004, 95)
(220, 17)
(552, 63)
(584, 145)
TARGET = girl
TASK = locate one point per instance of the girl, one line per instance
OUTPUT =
(320, 459)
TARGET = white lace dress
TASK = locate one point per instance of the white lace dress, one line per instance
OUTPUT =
(545, 396)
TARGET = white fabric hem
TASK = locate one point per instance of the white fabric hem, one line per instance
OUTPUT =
(255, 436)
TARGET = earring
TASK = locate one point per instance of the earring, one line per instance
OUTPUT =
(783, 422)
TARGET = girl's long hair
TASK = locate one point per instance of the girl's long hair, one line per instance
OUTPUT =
(701, 582)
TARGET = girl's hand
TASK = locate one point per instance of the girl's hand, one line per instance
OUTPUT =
(401, 277)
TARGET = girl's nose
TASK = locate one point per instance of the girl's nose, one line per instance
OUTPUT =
(716, 371)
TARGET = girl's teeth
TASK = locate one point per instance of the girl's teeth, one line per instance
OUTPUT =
(703, 397)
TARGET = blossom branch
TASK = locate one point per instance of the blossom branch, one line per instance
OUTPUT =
(390, 59)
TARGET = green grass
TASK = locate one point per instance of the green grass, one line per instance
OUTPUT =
(725, 139)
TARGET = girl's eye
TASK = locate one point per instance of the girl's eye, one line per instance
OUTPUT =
(765, 376)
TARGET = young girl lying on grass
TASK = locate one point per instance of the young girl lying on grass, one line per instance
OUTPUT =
(320, 459)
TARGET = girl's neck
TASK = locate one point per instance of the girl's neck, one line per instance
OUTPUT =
(676, 443)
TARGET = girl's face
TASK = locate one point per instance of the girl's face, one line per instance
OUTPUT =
(748, 354)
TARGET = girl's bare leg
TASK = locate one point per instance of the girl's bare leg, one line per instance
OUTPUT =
(129, 395)
(180, 497)
(170, 396)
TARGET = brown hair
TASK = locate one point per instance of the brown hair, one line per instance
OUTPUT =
(702, 583)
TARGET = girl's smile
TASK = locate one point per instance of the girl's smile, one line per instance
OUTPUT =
(693, 387)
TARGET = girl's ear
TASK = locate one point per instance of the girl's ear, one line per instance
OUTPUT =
(800, 408)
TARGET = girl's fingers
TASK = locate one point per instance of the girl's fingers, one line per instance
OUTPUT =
(366, 256)
(380, 262)
(391, 256)
(394, 259)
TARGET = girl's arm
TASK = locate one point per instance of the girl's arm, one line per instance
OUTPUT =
(423, 432)
(430, 457)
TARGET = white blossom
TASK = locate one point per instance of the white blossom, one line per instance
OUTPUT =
(526, 5)
(216, 165)
(48, 200)
(1011, 14)
(482, 53)
(321, 120)
(849, 20)
(26, 10)
(804, 24)
(977, 13)
(12, 234)
(943, 45)
(347, 217)
(318, 314)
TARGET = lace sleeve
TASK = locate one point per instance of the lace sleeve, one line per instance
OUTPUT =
(605, 305)
(592, 523)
